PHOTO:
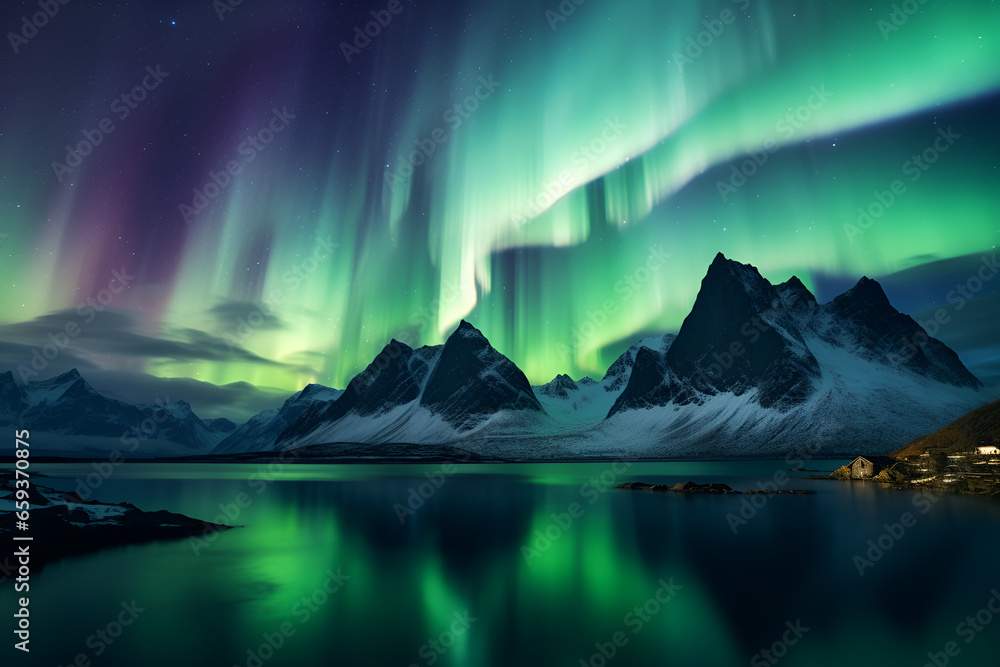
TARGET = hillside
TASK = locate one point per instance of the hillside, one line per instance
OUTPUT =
(979, 427)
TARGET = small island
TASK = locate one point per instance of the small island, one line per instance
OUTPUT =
(692, 487)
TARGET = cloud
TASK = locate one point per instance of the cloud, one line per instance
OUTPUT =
(43, 348)
(228, 314)
(115, 332)
(237, 401)
(914, 289)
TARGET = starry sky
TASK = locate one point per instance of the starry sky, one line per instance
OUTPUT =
(224, 203)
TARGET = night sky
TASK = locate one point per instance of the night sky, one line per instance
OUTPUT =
(254, 203)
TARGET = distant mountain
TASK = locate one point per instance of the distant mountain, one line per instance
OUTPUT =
(74, 419)
(620, 372)
(584, 403)
(980, 427)
(758, 368)
(429, 395)
(262, 430)
(561, 387)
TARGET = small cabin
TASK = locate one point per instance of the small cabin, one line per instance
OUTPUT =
(988, 450)
(867, 467)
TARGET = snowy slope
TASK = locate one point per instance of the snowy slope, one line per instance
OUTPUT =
(261, 431)
(431, 395)
(586, 402)
(856, 409)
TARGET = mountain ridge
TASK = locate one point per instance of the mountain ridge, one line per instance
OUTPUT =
(754, 369)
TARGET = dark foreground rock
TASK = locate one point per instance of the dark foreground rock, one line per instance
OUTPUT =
(61, 524)
(691, 487)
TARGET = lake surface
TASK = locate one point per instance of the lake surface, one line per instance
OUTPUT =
(329, 573)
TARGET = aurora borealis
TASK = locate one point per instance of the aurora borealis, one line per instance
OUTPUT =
(560, 178)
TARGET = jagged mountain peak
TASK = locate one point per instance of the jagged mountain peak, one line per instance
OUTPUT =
(69, 384)
(560, 386)
(313, 390)
(737, 339)
(867, 292)
(774, 348)
(724, 270)
(864, 318)
(70, 376)
(794, 295)
(618, 373)
(465, 329)
(471, 380)
(434, 389)
(468, 337)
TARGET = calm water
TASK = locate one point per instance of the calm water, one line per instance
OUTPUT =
(324, 557)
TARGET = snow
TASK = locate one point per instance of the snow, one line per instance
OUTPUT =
(859, 404)
(97, 513)
(585, 406)
(404, 423)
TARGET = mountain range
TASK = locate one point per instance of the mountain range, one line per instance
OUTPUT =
(755, 370)
(70, 418)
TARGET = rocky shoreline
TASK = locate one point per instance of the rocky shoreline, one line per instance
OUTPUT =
(61, 524)
(692, 487)
(905, 475)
